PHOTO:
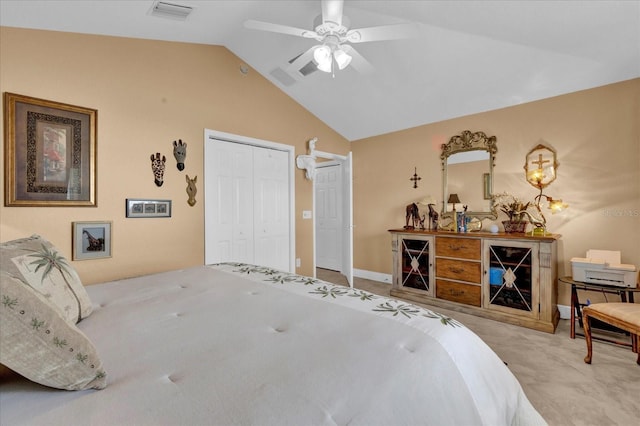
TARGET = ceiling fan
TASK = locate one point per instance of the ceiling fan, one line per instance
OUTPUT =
(331, 29)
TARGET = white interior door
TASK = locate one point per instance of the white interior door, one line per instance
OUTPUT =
(248, 202)
(328, 214)
(270, 212)
(347, 217)
(333, 214)
(228, 202)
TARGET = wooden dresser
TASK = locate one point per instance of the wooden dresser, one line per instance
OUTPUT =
(505, 277)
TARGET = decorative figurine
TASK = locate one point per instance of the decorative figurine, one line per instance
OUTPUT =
(191, 190)
(180, 153)
(413, 215)
(157, 165)
(433, 217)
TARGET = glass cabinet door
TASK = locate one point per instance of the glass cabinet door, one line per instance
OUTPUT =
(415, 264)
(511, 277)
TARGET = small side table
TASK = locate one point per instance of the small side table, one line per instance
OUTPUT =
(626, 295)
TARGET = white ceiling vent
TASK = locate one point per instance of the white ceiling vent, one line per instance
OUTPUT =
(165, 9)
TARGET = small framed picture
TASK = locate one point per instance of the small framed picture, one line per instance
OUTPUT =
(486, 186)
(91, 240)
(148, 208)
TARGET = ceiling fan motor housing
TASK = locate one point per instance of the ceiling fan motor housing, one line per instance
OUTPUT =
(331, 28)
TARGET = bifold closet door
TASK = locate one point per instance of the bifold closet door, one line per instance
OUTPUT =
(271, 208)
(246, 204)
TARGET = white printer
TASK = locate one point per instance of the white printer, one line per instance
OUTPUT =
(604, 267)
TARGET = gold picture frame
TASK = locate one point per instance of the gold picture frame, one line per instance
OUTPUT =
(50, 153)
(486, 186)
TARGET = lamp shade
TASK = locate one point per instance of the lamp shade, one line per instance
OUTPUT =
(454, 199)
(342, 58)
(322, 56)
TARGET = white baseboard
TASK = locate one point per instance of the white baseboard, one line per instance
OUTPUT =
(565, 311)
(374, 276)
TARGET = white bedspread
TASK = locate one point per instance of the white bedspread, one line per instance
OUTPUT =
(208, 345)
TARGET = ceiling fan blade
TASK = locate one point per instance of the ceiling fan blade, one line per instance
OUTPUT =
(301, 60)
(332, 11)
(358, 62)
(277, 28)
(384, 32)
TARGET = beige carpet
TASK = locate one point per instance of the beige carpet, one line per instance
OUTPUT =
(550, 367)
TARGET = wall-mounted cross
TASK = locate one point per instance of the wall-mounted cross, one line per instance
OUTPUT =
(540, 161)
(415, 177)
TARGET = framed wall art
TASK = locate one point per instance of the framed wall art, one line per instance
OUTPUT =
(91, 240)
(486, 186)
(50, 153)
(148, 208)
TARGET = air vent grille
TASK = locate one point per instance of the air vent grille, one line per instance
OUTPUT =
(165, 9)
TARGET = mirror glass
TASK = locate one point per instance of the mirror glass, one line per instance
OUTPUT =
(467, 165)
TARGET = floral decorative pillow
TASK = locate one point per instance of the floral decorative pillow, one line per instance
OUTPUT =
(37, 342)
(37, 263)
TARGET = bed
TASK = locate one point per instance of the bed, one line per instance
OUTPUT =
(237, 344)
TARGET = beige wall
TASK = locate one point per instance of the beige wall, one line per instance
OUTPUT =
(148, 94)
(597, 138)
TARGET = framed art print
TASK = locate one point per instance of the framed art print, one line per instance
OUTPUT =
(148, 208)
(50, 153)
(91, 240)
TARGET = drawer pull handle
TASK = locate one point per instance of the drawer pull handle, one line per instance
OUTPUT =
(456, 292)
(456, 270)
(455, 248)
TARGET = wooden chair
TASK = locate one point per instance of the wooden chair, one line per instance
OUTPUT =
(625, 316)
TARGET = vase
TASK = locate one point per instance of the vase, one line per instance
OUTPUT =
(514, 227)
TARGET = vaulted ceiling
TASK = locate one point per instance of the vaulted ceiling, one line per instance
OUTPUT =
(467, 57)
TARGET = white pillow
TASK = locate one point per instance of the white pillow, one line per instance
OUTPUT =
(37, 342)
(36, 262)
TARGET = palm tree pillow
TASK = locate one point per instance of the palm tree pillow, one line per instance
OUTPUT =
(37, 342)
(38, 264)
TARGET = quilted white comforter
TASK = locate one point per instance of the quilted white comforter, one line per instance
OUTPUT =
(236, 344)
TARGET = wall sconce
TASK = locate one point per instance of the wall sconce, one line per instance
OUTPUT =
(540, 170)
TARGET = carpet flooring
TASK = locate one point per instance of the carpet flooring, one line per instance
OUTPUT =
(550, 367)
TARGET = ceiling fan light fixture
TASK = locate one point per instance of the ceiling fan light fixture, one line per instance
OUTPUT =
(322, 56)
(325, 66)
(342, 58)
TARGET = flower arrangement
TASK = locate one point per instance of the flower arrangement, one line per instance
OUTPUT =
(512, 206)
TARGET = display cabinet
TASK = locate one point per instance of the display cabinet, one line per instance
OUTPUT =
(414, 263)
(513, 277)
(505, 277)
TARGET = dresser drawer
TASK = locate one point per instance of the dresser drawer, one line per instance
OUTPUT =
(458, 270)
(462, 248)
(456, 292)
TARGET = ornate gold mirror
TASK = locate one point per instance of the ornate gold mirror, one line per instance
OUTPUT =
(467, 171)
